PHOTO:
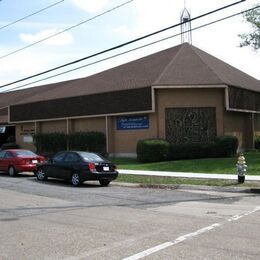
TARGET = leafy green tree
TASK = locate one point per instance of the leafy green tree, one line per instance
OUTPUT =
(253, 38)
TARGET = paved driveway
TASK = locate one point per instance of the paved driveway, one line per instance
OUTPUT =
(52, 220)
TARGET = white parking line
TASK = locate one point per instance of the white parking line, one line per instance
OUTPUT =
(185, 237)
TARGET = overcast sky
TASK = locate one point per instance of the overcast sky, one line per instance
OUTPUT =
(134, 19)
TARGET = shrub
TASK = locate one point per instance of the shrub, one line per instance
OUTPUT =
(257, 142)
(10, 146)
(227, 145)
(223, 146)
(50, 142)
(88, 141)
(152, 150)
(190, 151)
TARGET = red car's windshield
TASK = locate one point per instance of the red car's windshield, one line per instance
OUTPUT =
(24, 153)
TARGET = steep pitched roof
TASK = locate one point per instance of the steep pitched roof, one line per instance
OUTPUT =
(180, 65)
(192, 66)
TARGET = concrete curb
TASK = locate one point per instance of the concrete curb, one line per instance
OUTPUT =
(189, 187)
(188, 175)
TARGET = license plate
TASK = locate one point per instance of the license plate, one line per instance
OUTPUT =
(34, 161)
(105, 168)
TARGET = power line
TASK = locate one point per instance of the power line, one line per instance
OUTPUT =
(65, 30)
(134, 49)
(29, 15)
(118, 46)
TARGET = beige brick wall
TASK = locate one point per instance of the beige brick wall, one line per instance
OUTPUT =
(59, 126)
(24, 133)
(124, 141)
(89, 124)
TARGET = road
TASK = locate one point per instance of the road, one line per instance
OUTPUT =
(53, 220)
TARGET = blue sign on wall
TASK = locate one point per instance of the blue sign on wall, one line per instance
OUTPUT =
(132, 122)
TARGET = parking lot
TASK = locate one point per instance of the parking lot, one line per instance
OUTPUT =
(53, 220)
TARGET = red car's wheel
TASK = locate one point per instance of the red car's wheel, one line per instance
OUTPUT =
(11, 171)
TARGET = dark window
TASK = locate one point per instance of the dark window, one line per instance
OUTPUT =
(8, 155)
(2, 154)
(71, 157)
(59, 157)
(91, 157)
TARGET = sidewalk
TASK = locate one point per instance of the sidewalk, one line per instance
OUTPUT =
(189, 175)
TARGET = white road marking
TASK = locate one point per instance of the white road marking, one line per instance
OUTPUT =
(185, 237)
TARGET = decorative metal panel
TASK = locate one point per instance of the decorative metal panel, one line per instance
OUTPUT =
(190, 125)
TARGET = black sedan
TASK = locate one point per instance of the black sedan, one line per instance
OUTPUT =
(78, 167)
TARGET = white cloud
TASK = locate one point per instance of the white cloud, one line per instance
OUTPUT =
(220, 40)
(91, 6)
(61, 39)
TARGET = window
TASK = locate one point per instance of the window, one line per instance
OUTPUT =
(2, 154)
(91, 157)
(8, 155)
(59, 157)
(71, 157)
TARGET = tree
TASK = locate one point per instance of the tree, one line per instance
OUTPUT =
(253, 38)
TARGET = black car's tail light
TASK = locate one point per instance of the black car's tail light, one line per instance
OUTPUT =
(92, 167)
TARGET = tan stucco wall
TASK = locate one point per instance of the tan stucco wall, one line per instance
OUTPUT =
(59, 126)
(124, 141)
(89, 124)
(240, 125)
(169, 98)
(24, 133)
(234, 125)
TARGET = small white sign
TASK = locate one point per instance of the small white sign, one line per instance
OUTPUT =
(28, 139)
(2, 129)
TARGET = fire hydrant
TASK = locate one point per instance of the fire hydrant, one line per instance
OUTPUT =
(241, 168)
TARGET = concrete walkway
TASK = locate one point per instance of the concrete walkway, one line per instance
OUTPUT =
(189, 175)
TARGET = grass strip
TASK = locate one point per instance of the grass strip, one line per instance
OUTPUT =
(211, 165)
(157, 180)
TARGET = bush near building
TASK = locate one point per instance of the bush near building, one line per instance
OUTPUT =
(51, 143)
(87, 141)
(152, 150)
(257, 142)
(161, 150)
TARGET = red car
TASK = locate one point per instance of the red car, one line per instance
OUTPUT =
(19, 160)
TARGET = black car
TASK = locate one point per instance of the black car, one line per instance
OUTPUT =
(78, 167)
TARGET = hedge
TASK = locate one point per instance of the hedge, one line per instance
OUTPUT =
(152, 150)
(87, 141)
(160, 150)
(10, 146)
(257, 142)
(50, 143)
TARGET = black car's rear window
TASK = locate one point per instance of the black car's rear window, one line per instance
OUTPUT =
(91, 157)
(24, 153)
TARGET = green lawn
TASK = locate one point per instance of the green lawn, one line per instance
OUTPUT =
(154, 181)
(215, 165)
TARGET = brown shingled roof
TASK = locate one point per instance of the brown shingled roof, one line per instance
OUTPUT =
(180, 65)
